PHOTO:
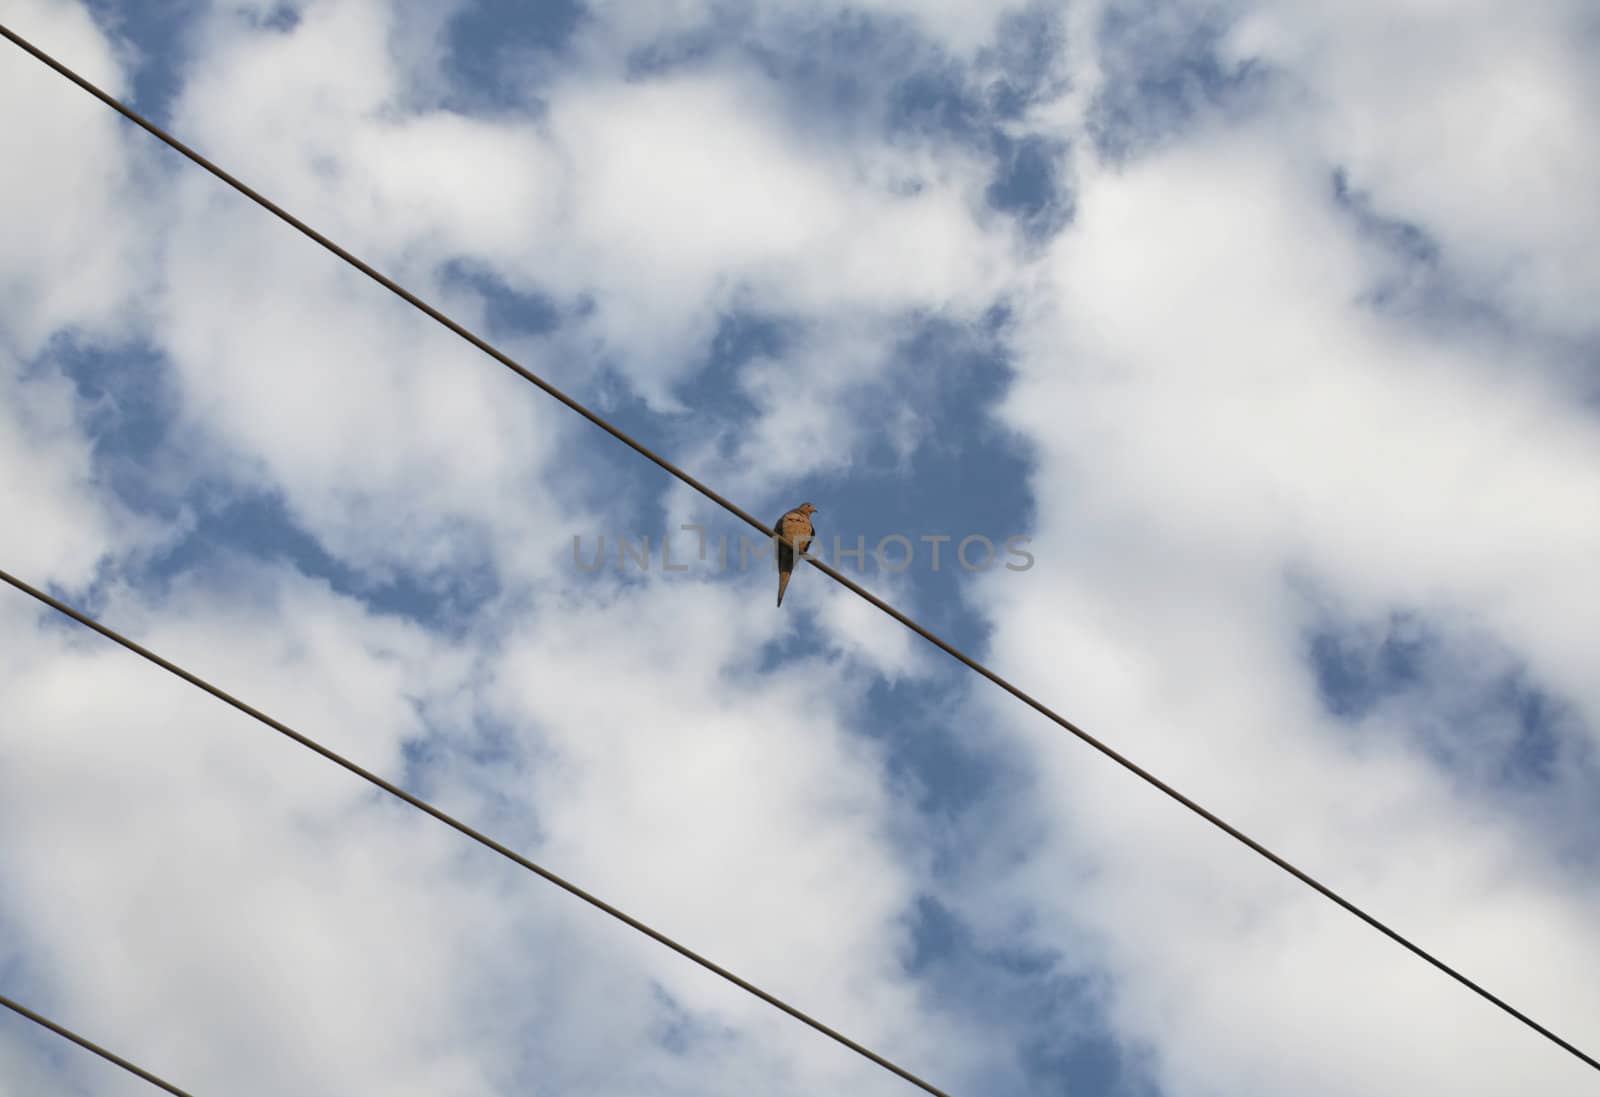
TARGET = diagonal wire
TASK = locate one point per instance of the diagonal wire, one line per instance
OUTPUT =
(732, 508)
(456, 824)
(109, 1056)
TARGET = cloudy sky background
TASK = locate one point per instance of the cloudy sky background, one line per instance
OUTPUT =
(1274, 328)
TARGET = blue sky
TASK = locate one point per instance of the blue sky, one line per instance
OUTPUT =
(1271, 330)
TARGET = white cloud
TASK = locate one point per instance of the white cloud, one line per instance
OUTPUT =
(1214, 409)
(692, 197)
(280, 927)
(369, 941)
(394, 443)
(1471, 120)
(1218, 411)
(69, 269)
(60, 271)
(1246, 406)
(259, 900)
(58, 527)
(664, 200)
(69, 254)
(658, 726)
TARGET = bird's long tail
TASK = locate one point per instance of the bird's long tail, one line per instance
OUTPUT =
(783, 583)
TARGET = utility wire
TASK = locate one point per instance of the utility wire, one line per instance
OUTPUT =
(456, 824)
(108, 1056)
(972, 664)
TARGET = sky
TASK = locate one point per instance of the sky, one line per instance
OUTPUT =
(1265, 329)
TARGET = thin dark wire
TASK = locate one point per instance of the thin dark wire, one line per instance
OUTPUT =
(451, 821)
(108, 1056)
(972, 664)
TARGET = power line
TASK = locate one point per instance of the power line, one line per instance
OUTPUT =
(456, 824)
(108, 1056)
(972, 664)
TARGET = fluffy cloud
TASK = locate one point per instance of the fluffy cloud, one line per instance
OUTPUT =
(68, 273)
(402, 454)
(67, 528)
(662, 201)
(59, 271)
(734, 819)
(1240, 432)
(1233, 435)
(1474, 125)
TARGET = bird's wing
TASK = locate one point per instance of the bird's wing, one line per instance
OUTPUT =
(785, 549)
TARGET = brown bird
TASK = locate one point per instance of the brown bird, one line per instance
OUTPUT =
(795, 534)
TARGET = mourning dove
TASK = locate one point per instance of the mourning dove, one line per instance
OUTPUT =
(795, 533)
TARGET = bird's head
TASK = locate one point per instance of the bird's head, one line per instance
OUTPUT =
(807, 509)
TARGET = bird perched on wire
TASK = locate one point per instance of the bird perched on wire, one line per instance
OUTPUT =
(795, 534)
